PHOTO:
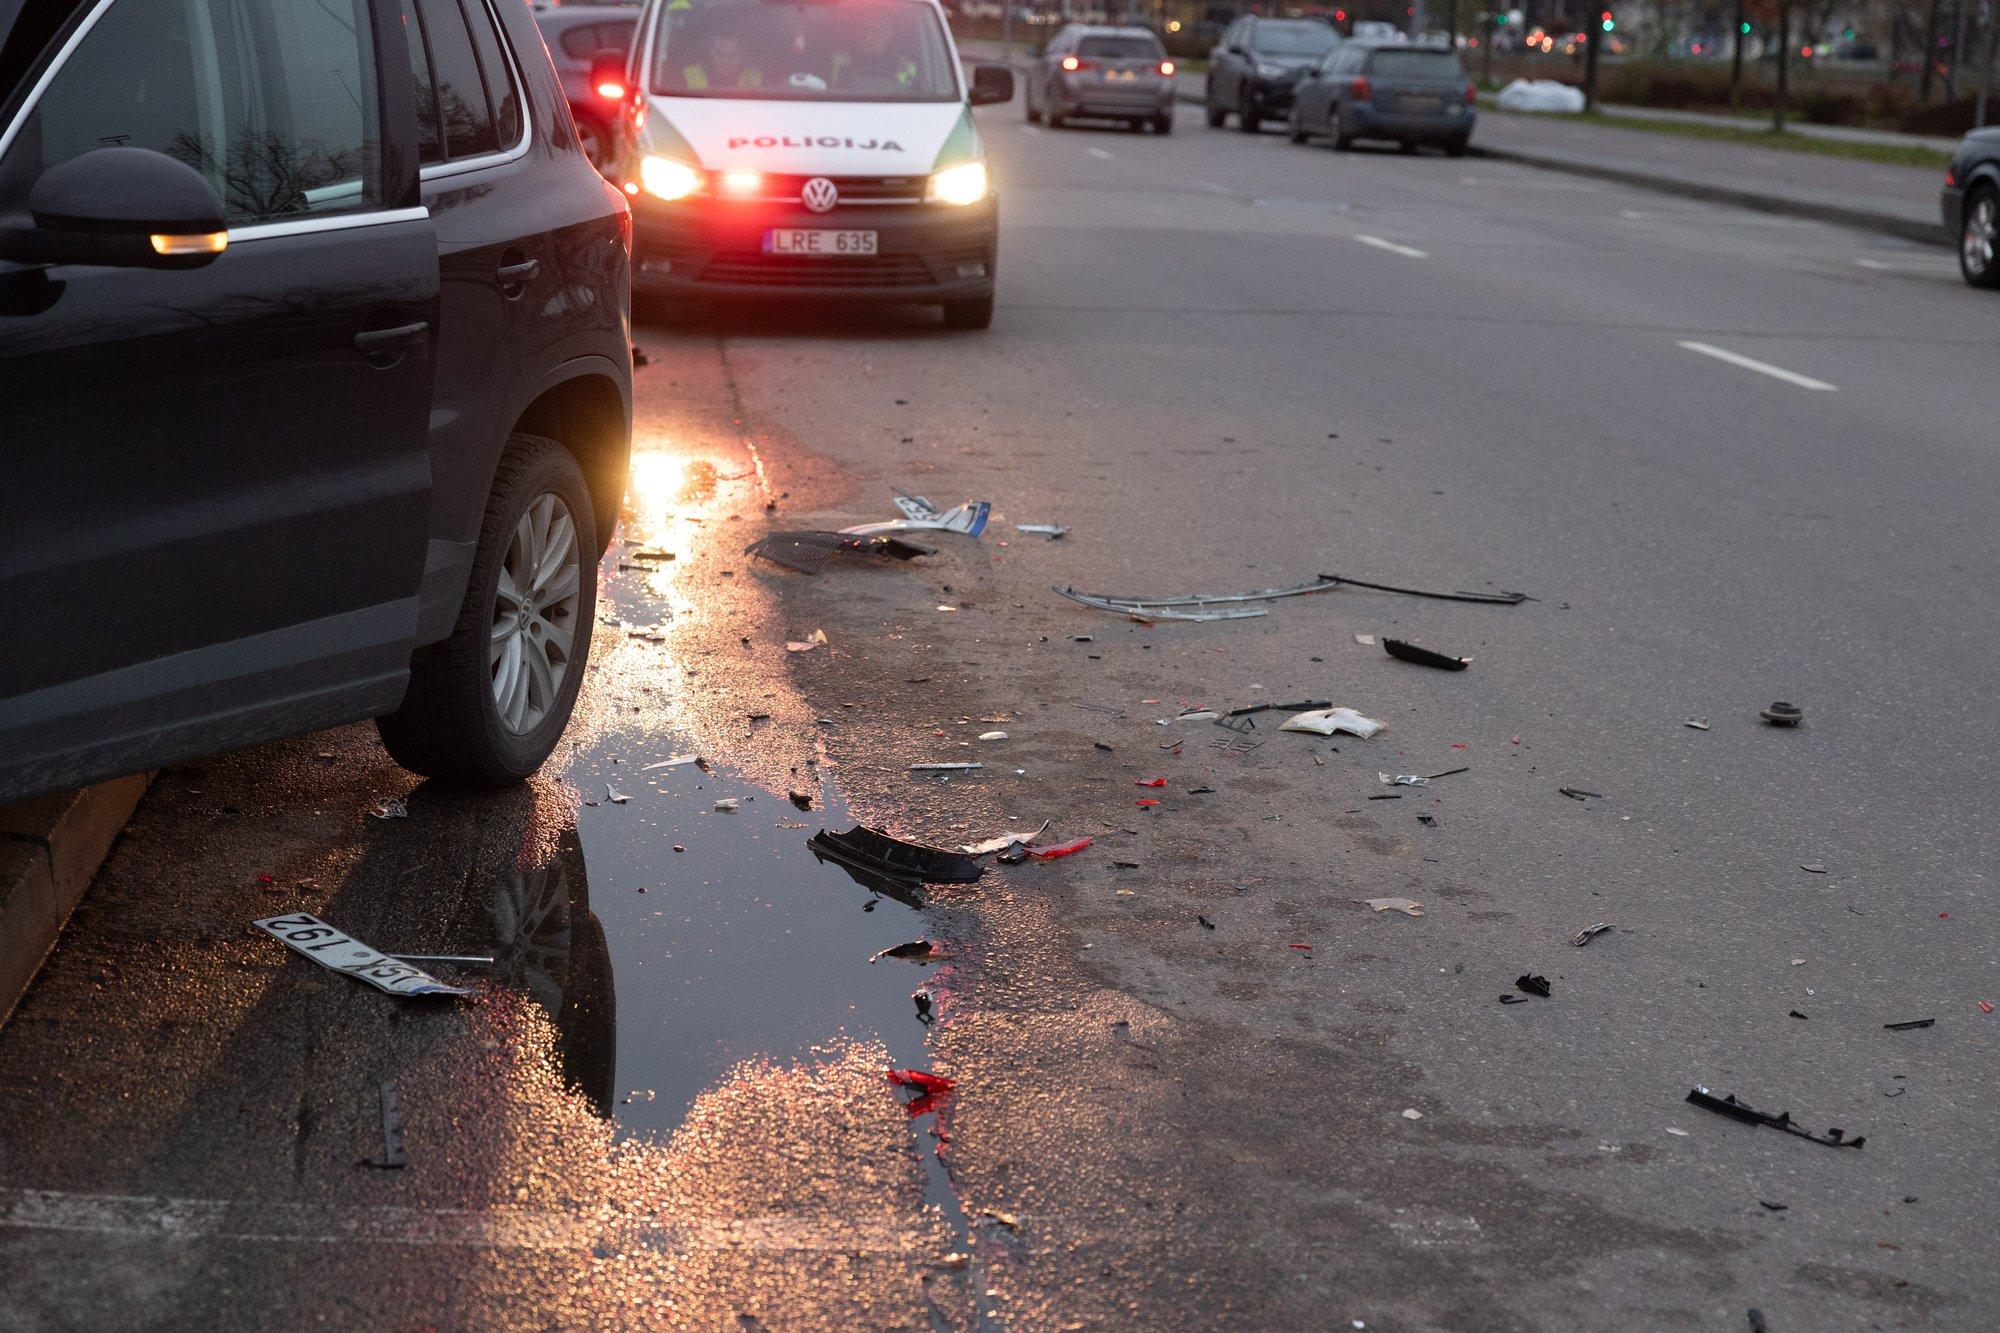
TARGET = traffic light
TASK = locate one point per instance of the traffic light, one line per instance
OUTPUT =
(1746, 30)
(1500, 20)
(1608, 22)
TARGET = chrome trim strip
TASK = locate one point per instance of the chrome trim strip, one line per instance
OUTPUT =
(34, 97)
(265, 231)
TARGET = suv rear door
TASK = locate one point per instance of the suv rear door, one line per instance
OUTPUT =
(1415, 81)
(216, 487)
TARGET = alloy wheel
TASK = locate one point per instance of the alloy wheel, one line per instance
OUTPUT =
(1982, 230)
(534, 614)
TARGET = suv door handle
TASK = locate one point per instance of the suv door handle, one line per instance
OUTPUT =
(376, 344)
(513, 277)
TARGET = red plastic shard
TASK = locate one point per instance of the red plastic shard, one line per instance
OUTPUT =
(1151, 782)
(932, 1089)
(1303, 948)
(1145, 800)
(1060, 849)
(1985, 1007)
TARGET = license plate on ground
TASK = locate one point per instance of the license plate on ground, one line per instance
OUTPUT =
(818, 241)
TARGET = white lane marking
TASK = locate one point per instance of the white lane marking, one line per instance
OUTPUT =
(266, 1221)
(1761, 367)
(1914, 264)
(1099, 153)
(1210, 186)
(1408, 252)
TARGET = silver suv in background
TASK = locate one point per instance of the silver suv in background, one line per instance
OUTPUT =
(1103, 74)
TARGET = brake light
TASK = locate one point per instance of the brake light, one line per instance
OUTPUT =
(1471, 92)
(1950, 177)
(1071, 64)
(611, 92)
(1167, 69)
(1360, 90)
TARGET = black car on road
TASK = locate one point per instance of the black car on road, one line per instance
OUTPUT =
(1253, 70)
(575, 35)
(315, 382)
(1972, 206)
(1410, 95)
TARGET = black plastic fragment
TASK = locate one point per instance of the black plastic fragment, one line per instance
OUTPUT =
(1513, 999)
(1410, 652)
(1579, 794)
(1782, 714)
(1736, 1110)
(918, 950)
(1906, 1026)
(1487, 598)
(913, 863)
(1206, 924)
(1796, 1014)
(1775, 1207)
(1238, 719)
(808, 552)
(1533, 984)
(923, 1002)
(801, 800)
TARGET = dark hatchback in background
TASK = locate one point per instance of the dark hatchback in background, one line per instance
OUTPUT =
(1409, 95)
(315, 382)
(575, 35)
(1971, 204)
(1102, 74)
(1253, 70)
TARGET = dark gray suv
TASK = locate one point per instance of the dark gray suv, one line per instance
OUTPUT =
(315, 382)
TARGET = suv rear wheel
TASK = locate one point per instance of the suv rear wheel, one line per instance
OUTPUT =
(487, 705)
(1978, 237)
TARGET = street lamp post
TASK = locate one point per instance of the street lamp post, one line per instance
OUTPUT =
(1784, 64)
(1736, 56)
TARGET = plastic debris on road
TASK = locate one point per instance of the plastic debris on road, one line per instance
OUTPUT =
(680, 759)
(916, 951)
(1736, 1110)
(1909, 1025)
(728, 805)
(1530, 984)
(389, 808)
(807, 644)
(1579, 794)
(1202, 606)
(1412, 1113)
(1004, 841)
(1589, 933)
(1070, 848)
(931, 1089)
(393, 1157)
(1407, 906)
(1052, 531)
(945, 768)
(913, 863)
(1410, 652)
(808, 552)
(1402, 779)
(613, 795)
(992, 735)
(337, 951)
(1549, 96)
(1329, 721)
(1782, 714)
(1698, 723)
(968, 519)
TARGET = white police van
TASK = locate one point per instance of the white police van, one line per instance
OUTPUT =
(817, 148)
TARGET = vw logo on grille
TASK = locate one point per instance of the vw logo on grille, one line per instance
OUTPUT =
(820, 194)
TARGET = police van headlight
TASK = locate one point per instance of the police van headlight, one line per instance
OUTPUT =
(962, 184)
(665, 178)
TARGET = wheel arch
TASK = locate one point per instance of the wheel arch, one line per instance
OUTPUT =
(587, 408)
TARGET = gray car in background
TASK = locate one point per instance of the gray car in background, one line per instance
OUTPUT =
(1410, 95)
(1103, 74)
(574, 35)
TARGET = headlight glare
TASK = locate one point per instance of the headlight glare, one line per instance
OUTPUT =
(963, 184)
(665, 178)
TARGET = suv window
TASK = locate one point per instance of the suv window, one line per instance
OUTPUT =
(1293, 38)
(272, 103)
(1120, 48)
(467, 99)
(1420, 66)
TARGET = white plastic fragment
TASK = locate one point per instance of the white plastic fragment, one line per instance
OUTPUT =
(727, 804)
(918, 516)
(340, 952)
(1049, 530)
(674, 762)
(1328, 721)
(613, 795)
(992, 735)
(1412, 1113)
(806, 645)
(1407, 906)
(1403, 780)
(1365, 640)
(1698, 723)
(944, 768)
(1004, 841)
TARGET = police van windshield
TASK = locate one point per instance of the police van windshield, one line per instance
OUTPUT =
(819, 51)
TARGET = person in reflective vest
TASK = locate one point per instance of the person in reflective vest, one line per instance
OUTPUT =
(724, 68)
(874, 66)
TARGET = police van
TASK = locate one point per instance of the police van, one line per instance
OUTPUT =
(819, 148)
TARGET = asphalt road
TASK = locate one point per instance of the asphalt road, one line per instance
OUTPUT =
(1225, 363)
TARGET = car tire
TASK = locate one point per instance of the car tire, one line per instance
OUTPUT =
(1979, 238)
(1247, 118)
(1293, 129)
(1164, 124)
(976, 313)
(1028, 108)
(1458, 147)
(1215, 114)
(451, 725)
(1055, 120)
(1342, 142)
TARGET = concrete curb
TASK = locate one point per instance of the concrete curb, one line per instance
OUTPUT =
(50, 848)
(1930, 233)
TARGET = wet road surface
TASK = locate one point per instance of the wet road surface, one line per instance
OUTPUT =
(1185, 1059)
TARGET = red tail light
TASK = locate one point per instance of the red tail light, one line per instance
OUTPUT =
(1167, 69)
(611, 92)
(1071, 64)
(1360, 90)
(1471, 93)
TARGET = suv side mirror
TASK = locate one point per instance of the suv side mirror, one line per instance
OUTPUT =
(607, 75)
(125, 207)
(992, 83)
